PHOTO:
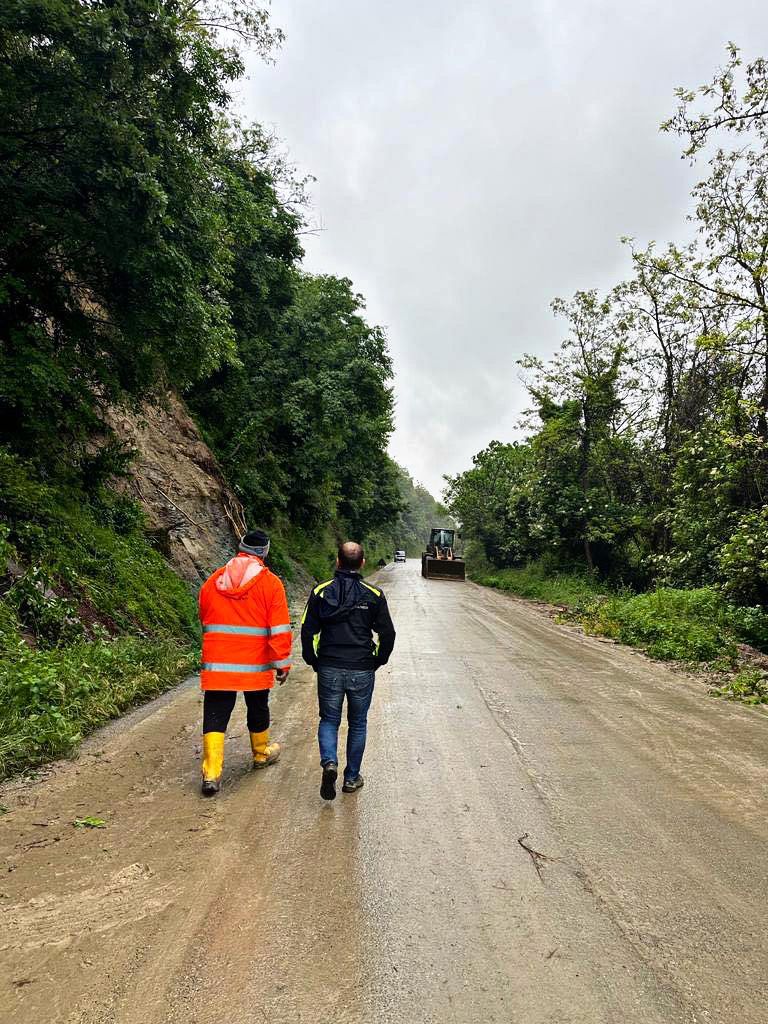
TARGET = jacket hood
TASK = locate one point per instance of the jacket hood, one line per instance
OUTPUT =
(238, 575)
(341, 597)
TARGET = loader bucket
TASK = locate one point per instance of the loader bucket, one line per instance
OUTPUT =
(442, 568)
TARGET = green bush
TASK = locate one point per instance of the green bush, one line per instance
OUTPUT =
(75, 564)
(50, 618)
(750, 625)
(316, 550)
(680, 625)
(537, 583)
(278, 561)
(670, 624)
(50, 699)
(743, 560)
(749, 686)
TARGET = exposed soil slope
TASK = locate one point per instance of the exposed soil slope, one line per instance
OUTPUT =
(193, 514)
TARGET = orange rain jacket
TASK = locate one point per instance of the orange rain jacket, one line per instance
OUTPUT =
(246, 626)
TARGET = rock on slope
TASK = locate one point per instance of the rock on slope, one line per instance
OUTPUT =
(193, 516)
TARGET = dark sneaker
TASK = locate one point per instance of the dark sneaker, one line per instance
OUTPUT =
(352, 785)
(328, 785)
(211, 787)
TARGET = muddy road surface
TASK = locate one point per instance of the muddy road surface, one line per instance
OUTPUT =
(552, 829)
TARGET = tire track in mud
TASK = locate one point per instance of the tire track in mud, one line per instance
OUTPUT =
(56, 920)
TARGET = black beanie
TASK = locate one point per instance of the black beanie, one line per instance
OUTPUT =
(254, 542)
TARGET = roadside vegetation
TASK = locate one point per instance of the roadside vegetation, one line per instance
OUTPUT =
(638, 497)
(92, 620)
(419, 513)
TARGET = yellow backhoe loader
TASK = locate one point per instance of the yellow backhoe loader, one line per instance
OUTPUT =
(440, 560)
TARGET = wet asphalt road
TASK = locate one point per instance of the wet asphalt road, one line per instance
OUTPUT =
(552, 830)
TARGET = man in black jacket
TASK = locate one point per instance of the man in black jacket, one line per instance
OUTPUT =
(337, 630)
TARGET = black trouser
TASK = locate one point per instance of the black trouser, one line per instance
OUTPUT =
(218, 705)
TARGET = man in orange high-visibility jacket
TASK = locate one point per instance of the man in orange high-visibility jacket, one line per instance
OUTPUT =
(246, 641)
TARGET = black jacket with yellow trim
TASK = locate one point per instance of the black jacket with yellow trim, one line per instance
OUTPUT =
(339, 621)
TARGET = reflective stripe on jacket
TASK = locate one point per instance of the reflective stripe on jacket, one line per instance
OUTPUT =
(246, 627)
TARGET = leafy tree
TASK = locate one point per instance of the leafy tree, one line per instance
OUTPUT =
(419, 513)
(115, 254)
(490, 502)
(586, 495)
(735, 101)
(712, 486)
(301, 424)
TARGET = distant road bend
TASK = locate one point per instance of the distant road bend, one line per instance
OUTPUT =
(552, 829)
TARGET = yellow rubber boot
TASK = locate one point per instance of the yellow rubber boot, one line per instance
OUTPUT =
(213, 761)
(264, 752)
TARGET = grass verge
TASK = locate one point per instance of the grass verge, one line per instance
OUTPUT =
(92, 619)
(534, 582)
(51, 699)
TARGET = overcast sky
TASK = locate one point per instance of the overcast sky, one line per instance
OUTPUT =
(475, 160)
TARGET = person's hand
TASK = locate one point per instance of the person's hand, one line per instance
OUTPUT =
(282, 675)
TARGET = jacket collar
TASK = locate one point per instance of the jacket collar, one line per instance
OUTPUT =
(348, 573)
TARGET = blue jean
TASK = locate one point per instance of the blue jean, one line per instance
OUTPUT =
(332, 685)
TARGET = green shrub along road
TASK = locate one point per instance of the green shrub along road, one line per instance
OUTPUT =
(52, 697)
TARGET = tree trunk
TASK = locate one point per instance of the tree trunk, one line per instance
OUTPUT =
(588, 555)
